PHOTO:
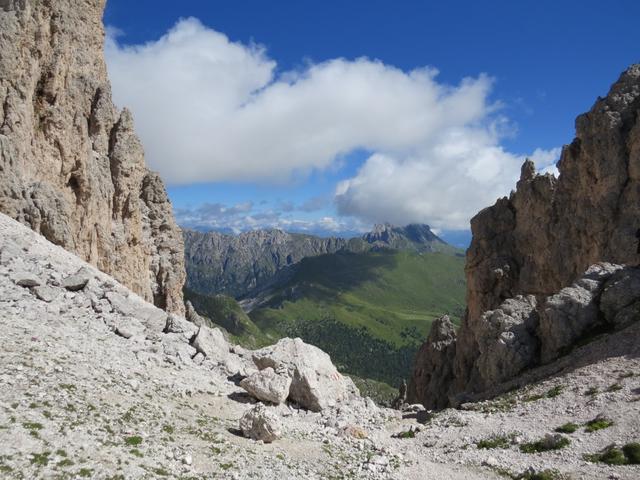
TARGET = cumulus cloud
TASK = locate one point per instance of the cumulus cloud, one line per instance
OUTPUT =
(443, 185)
(209, 109)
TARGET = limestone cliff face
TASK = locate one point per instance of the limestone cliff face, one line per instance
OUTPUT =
(542, 238)
(71, 166)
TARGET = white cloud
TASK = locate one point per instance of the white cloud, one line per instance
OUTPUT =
(546, 160)
(209, 109)
(444, 184)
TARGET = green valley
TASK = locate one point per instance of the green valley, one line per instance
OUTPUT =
(370, 311)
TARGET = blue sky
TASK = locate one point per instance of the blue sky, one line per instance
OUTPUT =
(532, 67)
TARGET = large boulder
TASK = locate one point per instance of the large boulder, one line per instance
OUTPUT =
(267, 385)
(316, 384)
(260, 423)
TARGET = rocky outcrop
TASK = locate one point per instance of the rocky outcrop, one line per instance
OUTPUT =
(71, 166)
(433, 370)
(528, 247)
(551, 230)
(574, 312)
(237, 265)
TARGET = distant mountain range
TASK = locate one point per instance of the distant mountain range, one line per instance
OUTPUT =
(236, 265)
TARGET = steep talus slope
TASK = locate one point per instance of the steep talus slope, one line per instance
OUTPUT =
(529, 246)
(71, 166)
(238, 265)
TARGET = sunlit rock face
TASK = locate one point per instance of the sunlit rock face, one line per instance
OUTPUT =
(72, 167)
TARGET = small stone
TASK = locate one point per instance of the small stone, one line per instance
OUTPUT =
(124, 332)
(45, 293)
(490, 462)
(187, 459)
(27, 280)
(76, 282)
(259, 423)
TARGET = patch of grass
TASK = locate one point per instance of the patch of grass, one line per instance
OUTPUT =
(555, 391)
(136, 453)
(411, 433)
(632, 452)
(591, 391)
(61, 453)
(128, 416)
(69, 387)
(65, 463)
(15, 405)
(597, 424)
(610, 455)
(32, 426)
(626, 375)
(544, 445)
(614, 387)
(33, 405)
(551, 393)
(160, 471)
(568, 427)
(533, 398)
(85, 472)
(226, 466)
(47, 414)
(495, 441)
(41, 459)
(133, 441)
(168, 429)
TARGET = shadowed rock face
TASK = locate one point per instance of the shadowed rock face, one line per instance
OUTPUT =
(71, 166)
(544, 236)
(551, 230)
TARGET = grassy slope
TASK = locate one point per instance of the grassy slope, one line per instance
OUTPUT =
(223, 311)
(369, 311)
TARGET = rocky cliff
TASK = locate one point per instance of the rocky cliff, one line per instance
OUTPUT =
(531, 245)
(238, 264)
(71, 165)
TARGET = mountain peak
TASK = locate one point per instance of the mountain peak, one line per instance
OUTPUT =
(413, 236)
